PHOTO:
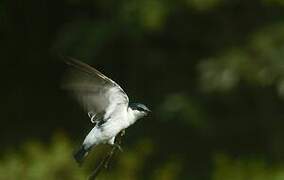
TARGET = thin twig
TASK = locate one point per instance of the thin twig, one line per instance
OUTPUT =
(104, 163)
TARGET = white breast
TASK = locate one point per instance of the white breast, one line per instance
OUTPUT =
(120, 119)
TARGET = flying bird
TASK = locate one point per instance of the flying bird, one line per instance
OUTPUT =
(105, 102)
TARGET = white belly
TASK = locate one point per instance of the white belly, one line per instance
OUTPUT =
(102, 134)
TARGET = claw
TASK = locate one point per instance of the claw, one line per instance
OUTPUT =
(92, 116)
(118, 146)
(92, 119)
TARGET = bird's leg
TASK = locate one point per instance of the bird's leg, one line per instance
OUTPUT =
(115, 146)
(111, 141)
(122, 133)
(108, 158)
(118, 147)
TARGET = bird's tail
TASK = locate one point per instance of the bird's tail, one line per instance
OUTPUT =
(80, 155)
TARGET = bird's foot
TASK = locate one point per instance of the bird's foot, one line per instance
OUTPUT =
(118, 147)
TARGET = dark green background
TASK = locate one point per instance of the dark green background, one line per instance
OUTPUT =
(212, 71)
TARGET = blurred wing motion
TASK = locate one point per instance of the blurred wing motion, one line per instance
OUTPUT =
(97, 93)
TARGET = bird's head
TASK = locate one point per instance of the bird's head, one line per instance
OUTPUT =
(139, 110)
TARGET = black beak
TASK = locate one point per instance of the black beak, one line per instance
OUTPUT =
(148, 110)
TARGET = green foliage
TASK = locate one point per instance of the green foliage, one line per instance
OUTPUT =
(38, 161)
(182, 108)
(212, 71)
(278, 2)
(203, 5)
(260, 63)
(241, 169)
(54, 161)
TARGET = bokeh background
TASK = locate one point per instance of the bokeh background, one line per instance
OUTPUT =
(212, 71)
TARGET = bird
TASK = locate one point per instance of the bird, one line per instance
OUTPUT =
(105, 102)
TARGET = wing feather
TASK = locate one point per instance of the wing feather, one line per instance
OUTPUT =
(94, 91)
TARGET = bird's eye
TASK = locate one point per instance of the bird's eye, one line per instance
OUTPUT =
(140, 109)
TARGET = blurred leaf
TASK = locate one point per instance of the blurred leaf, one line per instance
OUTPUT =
(183, 108)
(239, 169)
(258, 63)
(204, 5)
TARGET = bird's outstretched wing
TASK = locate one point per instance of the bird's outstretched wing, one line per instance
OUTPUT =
(95, 92)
